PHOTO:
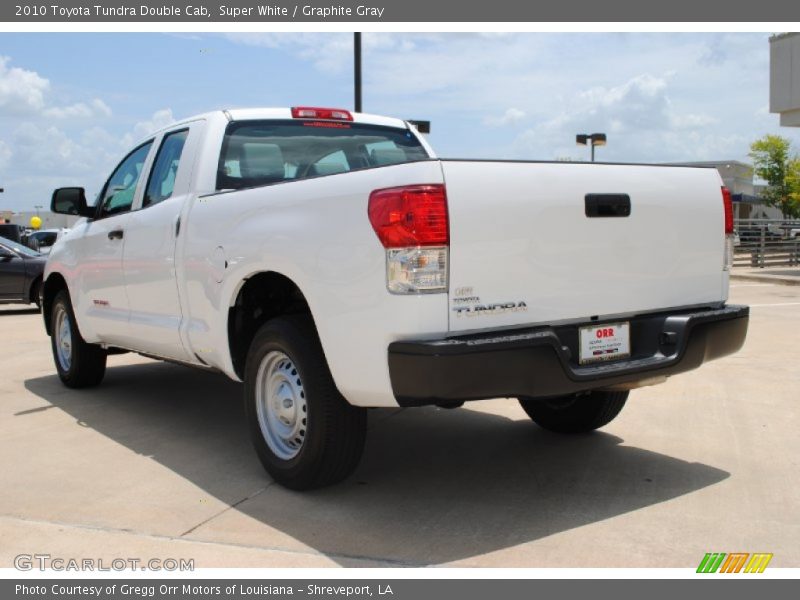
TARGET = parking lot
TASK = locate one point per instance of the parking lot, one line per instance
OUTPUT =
(156, 463)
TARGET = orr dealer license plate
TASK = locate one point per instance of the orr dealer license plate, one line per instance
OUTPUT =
(605, 342)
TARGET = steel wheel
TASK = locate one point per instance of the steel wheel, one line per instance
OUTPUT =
(305, 433)
(281, 405)
(63, 334)
(78, 364)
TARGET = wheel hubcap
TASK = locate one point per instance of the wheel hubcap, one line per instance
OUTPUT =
(281, 405)
(63, 333)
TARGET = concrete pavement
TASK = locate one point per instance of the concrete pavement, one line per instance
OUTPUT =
(156, 463)
(781, 275)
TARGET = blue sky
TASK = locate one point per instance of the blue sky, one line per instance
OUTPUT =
(72, 104)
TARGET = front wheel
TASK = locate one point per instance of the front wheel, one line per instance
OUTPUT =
(578, 413)
(304, 432)
(78, 363)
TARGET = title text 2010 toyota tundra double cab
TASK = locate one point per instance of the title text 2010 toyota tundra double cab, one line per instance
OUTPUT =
(331, 262)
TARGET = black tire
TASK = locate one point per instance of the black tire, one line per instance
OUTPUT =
(333, 431)
(87, 364)
(36, 287)
(575, 414)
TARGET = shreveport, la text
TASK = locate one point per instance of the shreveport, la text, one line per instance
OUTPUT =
(144, 590)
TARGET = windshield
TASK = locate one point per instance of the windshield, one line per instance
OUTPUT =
(261, 152)
(18, 248)
(45, 238)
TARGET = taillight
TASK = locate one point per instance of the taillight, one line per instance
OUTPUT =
(309, 112)
(412, 224)
(414, 215)
(728, 204)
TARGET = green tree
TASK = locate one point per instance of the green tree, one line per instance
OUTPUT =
(774, 163)
(793, 182)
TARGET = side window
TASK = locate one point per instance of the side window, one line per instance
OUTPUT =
(384, 153)
(118, 193)
(335, 162)
(162, 177)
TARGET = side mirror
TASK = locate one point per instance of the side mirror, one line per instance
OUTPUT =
(6, 253)
(70, 201)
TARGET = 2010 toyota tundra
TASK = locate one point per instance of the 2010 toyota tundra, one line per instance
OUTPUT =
(332, 263)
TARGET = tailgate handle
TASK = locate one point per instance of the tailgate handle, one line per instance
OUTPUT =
(608, 205)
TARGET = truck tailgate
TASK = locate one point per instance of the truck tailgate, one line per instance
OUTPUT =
(524, 250)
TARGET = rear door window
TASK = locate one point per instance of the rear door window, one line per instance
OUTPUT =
(262, 152)
(162, 176)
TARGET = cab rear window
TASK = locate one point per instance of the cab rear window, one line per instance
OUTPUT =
(262, 152)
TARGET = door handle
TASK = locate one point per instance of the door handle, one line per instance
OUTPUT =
(608, 205)
(116, 234)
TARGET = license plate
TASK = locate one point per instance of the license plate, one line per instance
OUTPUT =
(605, 342)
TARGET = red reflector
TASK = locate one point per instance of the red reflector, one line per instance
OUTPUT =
(728, 204)
(414, 215)
(309, 112)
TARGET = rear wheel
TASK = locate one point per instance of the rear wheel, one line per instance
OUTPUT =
(78, 364)
(577, 413)
(304, 432)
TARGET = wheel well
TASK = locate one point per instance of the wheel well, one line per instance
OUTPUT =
(262, 297)
(54, 284)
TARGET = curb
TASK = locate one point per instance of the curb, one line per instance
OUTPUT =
(776, 279)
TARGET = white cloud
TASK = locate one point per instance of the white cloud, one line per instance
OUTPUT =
(510, 117)
(5, 154)
(24, 92)
(691, 121)
(84, 110)
(326, 52)
(334, 51)
(640, 118)
(21, 91)
(160, 119)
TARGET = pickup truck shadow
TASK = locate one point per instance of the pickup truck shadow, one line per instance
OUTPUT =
(434, 485)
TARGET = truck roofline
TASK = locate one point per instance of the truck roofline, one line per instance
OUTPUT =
(247, 114)
(574, 162)
(251, 114)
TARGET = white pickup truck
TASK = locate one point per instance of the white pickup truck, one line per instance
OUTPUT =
(332, 263)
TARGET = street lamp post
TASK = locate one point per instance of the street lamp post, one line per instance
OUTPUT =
(591, 139)
(37, 207)
(357, 69)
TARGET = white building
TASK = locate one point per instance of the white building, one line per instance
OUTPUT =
(49, 220)
(738, 178)
(784, 78)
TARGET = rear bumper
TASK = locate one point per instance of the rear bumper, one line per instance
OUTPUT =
(542, 362)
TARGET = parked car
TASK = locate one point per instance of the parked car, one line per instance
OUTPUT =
(10, 231)
(21, 270)
(751, 235)
(44, 239)
(332, 263)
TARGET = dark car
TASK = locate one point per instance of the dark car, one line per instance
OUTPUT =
(751, 235)
(15, 233)
(20, 273)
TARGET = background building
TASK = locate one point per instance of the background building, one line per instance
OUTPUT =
(49, 220)
(738, 178)
(784, 78)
